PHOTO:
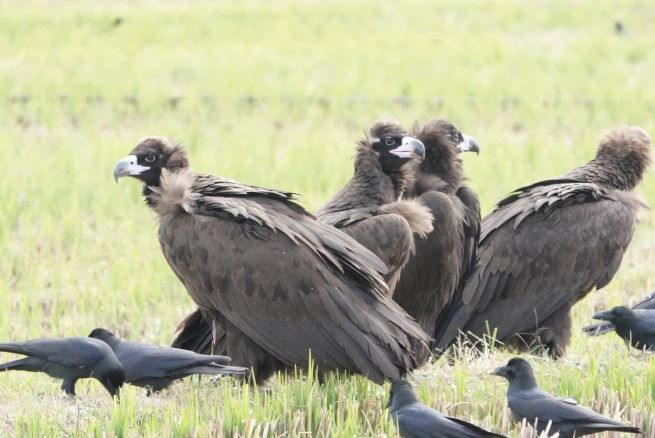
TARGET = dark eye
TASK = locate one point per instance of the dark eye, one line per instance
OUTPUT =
(511, 374)
(150, 158)
(389, 141)
(455, 135)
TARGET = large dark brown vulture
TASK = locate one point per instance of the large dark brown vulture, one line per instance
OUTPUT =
(368, 207)
(548, 244)
(430, 279)
(277, 281)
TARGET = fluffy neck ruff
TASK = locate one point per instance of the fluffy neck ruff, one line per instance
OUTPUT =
(173, 194)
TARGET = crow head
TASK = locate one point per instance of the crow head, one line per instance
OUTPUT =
(518, 372)
(149, 157)
(391, 145)
(400, 394)
(104, 335)
(443, 142)
(617, 316)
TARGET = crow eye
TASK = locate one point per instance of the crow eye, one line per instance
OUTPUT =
(389, 141)
(511, 374)
(150, 158)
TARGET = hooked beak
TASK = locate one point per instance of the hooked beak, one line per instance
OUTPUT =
(604, 316)
(469, 144)
(410, 148)
(500, 371)
(128, 167)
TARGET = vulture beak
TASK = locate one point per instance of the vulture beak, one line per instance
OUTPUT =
(500, 371)
(469, 144)
(410, 148)
(128, 167)
(604, 316)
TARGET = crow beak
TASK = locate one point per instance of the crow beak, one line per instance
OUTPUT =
(410, 148)
(128, 167)
(603, 316)
(469, 144)
(500, 371)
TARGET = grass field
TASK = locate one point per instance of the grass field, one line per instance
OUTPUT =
(275, 94)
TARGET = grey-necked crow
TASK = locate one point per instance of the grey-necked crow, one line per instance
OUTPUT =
(156, 368)
(540, 408)
(69, 359)
(415, 420)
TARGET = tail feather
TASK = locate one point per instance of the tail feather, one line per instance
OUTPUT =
(194, 333)
(13, 348)
(598, 329)
(24, 364)
(217, 370)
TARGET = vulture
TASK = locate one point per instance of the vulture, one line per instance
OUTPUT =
(430, 280)
(368, 208)
(605, 327)
(547, 245)
(280, 285)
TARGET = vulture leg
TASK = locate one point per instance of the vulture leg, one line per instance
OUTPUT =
(551, 336)
(389, 237)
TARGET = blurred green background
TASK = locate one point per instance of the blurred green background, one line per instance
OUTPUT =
(276, 94)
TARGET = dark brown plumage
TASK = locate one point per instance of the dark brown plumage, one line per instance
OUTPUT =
(276, 280)
(368, 207)
(548, 244)
(429, 281)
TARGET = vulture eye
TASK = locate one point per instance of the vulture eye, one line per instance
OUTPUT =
(150, 158)
(389, 141)
(456, 136)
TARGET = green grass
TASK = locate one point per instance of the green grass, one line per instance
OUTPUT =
(275, 94)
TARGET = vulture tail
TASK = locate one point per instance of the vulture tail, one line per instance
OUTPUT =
(194, 333)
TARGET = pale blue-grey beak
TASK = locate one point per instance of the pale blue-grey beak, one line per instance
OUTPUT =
(410, 148)
(128, 166)
(469, 144)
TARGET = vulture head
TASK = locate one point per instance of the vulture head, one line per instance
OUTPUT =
(443, 142)
(149, 158)
(518, 372)
(625, 150)
(389, 144)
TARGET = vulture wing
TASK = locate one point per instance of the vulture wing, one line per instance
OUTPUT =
(429, 279)
(288, 282)
(545, 248)
(389, 237)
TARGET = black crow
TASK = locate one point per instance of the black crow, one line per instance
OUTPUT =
(279, 283)
(156, 368)
(637, 327)
(69, 359)
(540, 408)
(605, 327)
(415, 420)
(547, 245)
